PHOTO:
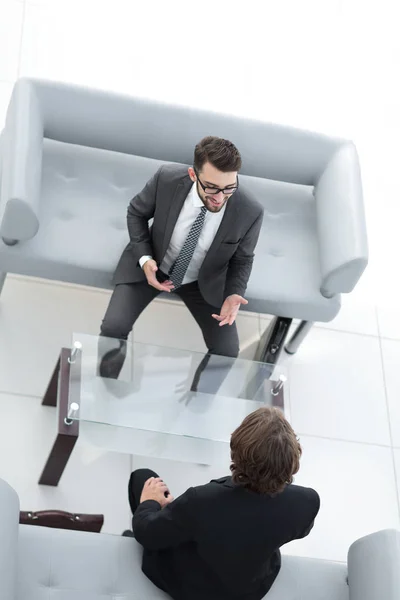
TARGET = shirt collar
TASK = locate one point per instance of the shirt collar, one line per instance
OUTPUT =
(196, 200)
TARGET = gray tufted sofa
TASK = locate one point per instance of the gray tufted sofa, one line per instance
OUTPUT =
(71, 158)
(37, 563)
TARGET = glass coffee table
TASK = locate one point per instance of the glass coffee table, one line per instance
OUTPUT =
(154, 401)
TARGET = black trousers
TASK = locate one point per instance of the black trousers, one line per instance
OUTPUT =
(129, 300)
(135, 487)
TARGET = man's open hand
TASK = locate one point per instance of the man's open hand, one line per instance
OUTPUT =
(150, 269)
(230, 309)
(156, 489)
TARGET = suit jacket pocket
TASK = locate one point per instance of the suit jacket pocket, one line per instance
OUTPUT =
(224, 253)
(230, 244)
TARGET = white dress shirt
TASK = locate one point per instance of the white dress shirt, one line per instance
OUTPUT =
(187, 216)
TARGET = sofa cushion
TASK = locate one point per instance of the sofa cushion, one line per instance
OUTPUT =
(286, 276)
(72, 565)
(309, 579)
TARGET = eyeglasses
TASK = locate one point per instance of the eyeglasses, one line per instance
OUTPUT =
(214, 190)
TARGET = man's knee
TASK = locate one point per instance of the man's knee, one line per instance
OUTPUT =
(141, 475)
(229, 351)
(115, 327)
(225, 347)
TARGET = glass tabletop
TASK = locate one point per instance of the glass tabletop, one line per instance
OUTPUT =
(165, 402)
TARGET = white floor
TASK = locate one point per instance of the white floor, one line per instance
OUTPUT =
(344, 389)
(317, 70)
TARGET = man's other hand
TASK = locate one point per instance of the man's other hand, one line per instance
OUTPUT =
(230, 309)
(156, 489)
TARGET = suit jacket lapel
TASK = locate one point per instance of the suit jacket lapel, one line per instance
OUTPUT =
(175, 207)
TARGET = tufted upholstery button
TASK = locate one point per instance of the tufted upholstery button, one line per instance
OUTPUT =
(65, 215)
(50, 582)
(120, 187)
(118, 224)
(66, 177)
(276, 252)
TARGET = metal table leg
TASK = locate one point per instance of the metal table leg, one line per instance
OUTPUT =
(58, 394)
(298, 336)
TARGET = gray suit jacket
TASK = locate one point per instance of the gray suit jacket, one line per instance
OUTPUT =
(227, 266)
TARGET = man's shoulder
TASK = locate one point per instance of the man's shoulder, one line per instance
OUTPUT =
(172, 172)
(303, 494)
(305, 500)
(249, 204)
(214, 487)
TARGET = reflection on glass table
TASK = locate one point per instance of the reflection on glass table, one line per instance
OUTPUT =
(166, 403)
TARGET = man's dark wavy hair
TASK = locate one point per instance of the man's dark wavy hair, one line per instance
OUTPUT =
(265, 452)
(222, 154)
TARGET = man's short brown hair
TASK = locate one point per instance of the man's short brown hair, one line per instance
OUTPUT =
(222, 154)
(265, 452)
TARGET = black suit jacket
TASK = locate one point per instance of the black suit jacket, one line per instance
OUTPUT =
(227, 266)
(220, 541)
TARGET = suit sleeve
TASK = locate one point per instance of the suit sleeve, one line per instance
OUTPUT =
(314, 509)
(156, 528)
(140, 210)
(241, 263)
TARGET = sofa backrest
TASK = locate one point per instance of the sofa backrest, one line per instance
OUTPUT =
(165, 132)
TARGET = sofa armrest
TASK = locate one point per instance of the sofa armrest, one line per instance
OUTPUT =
(9, 523)
(374, 566)
(341, 223)
(22, 143)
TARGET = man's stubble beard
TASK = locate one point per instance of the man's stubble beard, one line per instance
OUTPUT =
(210, 208)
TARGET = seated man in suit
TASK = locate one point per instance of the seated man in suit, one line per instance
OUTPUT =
(201, 246)
(221, 541)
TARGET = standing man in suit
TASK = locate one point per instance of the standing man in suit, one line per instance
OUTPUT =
(221, 541)
(201, 246)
